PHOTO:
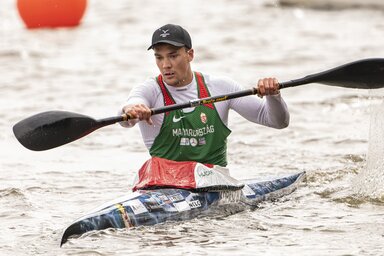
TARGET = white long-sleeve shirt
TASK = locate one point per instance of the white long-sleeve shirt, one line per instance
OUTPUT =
(271, 112)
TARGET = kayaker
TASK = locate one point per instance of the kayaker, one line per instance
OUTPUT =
(198, 134)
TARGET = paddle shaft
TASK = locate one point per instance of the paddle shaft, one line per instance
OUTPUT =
(203, 101)
(190, 104)
(198, 102)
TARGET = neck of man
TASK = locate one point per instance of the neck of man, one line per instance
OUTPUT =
(186, 80)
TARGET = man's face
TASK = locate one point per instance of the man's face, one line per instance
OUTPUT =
(174, 64)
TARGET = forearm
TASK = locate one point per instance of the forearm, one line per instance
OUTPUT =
(271, 112)
(277, 115)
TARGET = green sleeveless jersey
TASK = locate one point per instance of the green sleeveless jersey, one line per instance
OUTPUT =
(199, 135)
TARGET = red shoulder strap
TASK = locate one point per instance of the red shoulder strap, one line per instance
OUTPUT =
(203, 90)
(168, 100)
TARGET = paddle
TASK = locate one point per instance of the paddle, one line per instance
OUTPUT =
(55, 128)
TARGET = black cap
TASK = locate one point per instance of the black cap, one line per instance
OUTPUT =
(171, 34)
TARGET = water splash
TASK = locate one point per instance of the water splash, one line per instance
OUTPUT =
(370, 181)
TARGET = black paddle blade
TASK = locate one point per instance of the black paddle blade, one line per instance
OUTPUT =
(361, 74)
(52, 129)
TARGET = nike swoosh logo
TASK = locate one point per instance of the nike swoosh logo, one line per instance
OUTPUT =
(177, 119)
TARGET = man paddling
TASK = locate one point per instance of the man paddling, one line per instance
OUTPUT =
(198, 134)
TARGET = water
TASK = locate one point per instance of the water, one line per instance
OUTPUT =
(90, 70)
(369, 183)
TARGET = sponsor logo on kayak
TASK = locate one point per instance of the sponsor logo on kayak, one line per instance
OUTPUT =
(153, 206)
(124, 216)
(162, 199)
(137, 206)
(194, 204)
(176, 197)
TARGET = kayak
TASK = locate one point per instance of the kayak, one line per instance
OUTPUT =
(150, 207)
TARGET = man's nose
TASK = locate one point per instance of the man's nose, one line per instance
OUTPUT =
(166, 63)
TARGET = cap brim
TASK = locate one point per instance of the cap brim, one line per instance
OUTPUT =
(177, 44)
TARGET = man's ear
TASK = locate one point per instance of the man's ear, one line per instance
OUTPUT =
(191, 54)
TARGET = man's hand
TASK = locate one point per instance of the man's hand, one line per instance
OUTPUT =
(139, 111)
(267, 86)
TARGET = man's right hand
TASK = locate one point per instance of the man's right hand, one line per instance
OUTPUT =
(139, 111)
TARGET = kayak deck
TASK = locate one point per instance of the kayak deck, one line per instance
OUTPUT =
(150, 207)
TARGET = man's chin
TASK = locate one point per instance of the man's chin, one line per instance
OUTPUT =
(171, 82)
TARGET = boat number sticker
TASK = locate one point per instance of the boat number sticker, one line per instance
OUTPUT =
(194, 204)
(137, 206)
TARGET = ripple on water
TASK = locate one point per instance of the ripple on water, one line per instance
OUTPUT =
(14, 203)
(11, 192)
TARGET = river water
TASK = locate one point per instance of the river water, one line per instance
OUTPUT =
(338, 210)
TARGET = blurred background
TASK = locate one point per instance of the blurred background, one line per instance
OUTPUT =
(89, 66)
